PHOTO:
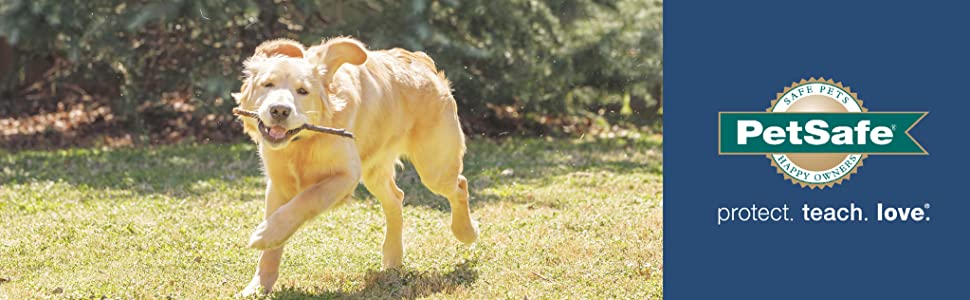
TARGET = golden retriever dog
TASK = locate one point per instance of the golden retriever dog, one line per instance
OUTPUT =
(395, 102)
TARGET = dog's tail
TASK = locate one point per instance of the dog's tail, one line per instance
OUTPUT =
(420, 57)
(426, 60)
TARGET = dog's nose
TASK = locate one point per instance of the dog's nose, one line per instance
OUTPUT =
(279, 111)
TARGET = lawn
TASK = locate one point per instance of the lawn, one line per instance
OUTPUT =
(559, 219)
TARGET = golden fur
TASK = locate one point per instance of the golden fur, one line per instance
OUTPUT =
(394, 101)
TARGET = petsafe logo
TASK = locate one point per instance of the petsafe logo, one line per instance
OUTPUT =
(817, 133)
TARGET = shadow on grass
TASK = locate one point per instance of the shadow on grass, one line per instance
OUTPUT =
(175, 170)
(195, 169)
(538, 162)
(393, 284)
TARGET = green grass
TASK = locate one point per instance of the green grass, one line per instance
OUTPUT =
(576, 219)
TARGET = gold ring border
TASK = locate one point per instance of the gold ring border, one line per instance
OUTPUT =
(849, 174)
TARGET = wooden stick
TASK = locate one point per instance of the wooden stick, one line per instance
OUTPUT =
(335, 131)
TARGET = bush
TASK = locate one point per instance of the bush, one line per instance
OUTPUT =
(510, 60)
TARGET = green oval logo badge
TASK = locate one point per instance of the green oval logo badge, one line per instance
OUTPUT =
(817, 133)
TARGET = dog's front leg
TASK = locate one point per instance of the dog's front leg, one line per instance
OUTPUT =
(267, 269)
(316, 199)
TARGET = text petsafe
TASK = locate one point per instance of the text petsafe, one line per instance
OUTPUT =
(817, 133)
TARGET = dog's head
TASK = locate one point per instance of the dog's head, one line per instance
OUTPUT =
(288, 90)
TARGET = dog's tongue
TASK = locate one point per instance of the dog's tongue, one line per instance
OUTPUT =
(277, 132)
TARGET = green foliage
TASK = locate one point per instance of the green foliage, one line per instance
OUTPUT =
(537, 57)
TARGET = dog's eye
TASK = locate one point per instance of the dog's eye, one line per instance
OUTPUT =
(269, 84)
(302, 91)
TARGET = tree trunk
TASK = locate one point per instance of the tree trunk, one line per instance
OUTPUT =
(6, 61)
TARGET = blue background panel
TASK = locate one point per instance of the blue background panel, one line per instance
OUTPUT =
(734, 56)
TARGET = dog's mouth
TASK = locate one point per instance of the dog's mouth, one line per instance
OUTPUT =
(277, 134)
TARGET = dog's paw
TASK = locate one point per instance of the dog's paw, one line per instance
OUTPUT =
(268, 237)
(465, 232)
(253, 289)
(392, 261)
(259, 286)
(250, 292)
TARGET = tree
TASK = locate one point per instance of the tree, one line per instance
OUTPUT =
(571, 57)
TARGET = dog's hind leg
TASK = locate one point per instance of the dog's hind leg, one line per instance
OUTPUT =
(379, 180)
(436, 153)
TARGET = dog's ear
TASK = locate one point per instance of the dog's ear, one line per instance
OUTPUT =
(243, 101)
(250, 69)
(244, 91)
(286, 47)
(336, 52)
